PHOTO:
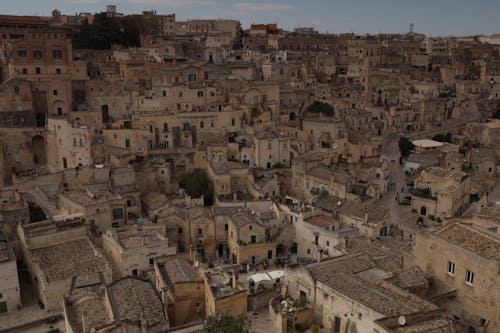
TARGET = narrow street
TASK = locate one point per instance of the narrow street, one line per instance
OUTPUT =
(390, 153)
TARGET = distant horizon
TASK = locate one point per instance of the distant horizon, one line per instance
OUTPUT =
(462, 18)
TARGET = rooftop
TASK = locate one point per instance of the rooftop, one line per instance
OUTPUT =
(341, 274)
(178, 271)
(134, 299)
(368, 209)
(68, 259)
(226, 166)
(429, 322)
(427, 143)
(473, 238)
(319, 220)
(134, 237)
(243, 217)
(327, 173)
(221, 285)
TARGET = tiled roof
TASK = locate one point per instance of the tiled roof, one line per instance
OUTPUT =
(473, 238)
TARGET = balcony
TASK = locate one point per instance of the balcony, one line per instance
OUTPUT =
(424, 193)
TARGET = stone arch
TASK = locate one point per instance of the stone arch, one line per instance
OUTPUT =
(131, 201)
(58, 108)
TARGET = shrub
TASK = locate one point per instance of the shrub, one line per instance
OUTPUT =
(320, 107)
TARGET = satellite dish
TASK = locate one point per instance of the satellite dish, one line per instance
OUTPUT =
(402, 320)
(196, 263)
(284, 304)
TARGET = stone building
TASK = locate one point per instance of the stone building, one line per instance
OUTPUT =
(248, 240)
(126, 305)
(346, 293)
(441, 193)
(182, 288)
(223, 294)
(58, 251)
(463, 259)
(271, 149)
(133, 250)
(10, 292)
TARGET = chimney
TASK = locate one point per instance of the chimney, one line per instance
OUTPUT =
(234, 281)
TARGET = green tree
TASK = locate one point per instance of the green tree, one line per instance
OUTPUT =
(107, 31)
(226, 323)
(198, 183)
(442, 137)
(405, 146)
(320, 107)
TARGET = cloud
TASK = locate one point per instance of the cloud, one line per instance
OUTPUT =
(261, 6)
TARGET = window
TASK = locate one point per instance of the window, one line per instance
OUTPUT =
(336, 326)
(269, 145)
(16, 90)
(57, 54)
(127, 143)
(22, 53)
(25, 71)
(270, 254)
(202, 124)
(451, 268)
(222, 187)
(179, 230)
(469, 277)
(165, 127)
(37, 54)
(253, 239)
(134, 272)
(164, 93)
(54, 92)
(58, 71)
(200, 231)
(200, 93)
(327, 243)
(192, 77)
(38, 70)
(236, 181)
(226, 227)
(151, 261)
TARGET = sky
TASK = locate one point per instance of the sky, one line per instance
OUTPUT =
(430, 17)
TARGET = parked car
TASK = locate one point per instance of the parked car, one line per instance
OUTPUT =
(405, 202)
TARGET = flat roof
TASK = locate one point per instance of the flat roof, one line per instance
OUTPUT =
(427, 143)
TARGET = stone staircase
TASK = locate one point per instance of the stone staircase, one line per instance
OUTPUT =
(37, 196)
